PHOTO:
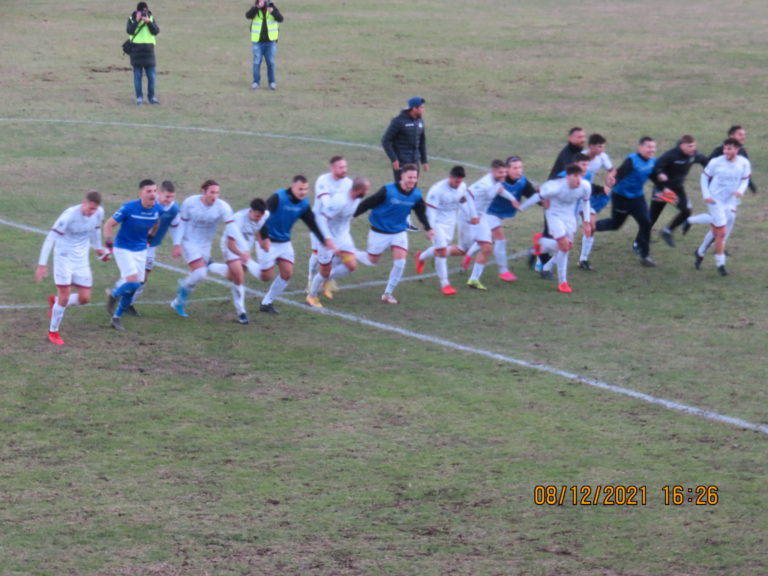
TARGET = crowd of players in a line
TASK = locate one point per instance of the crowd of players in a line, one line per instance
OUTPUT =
(478, 212)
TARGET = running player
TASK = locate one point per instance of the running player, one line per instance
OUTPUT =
(76, 230)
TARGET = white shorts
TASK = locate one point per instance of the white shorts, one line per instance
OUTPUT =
(150, 263)
(378, 242)
(131, 263)
(277, 251)
(68, 272)
(443, 236)
(193, 251)
(494, 221)
(344, 243)
(559, 227)
(228, 255)
(721, 213)
(471, 233)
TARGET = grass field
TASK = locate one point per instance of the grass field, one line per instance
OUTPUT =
(371, 439)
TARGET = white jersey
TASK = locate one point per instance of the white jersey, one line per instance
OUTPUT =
(722, 178)
(72, 235)
(564, 200)
(200, 222)
(444, 202)
(484, 191)
(247, 227)
(338, 212)
(327, 187)
(600, 162)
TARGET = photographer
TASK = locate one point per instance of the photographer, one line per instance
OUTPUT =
(264, 17)
(143, 29)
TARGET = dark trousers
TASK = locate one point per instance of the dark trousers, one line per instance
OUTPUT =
(682, 205)
(621, 208)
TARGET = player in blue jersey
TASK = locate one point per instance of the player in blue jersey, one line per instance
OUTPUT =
(138, 221)
(169, 220)
(285, 206)
(390, 207)
(628, 197)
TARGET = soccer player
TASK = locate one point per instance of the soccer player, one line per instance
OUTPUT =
(169, 220)
(563, 197)
(599, 160)
(672, 168)
(723, 183)
(390, 207)
(201, 216)
(138, 221)
(326, 187)
(76, 230)
(285, 206)
(443, 202)
(336, 217)
(628, 197)
(249, 221)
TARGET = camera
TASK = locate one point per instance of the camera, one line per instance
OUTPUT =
(145, 13)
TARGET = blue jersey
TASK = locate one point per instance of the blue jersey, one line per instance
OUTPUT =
(500, 206)
(391, 216)
(167, 216)
(631, 185)
(281, 221)
(135, 224)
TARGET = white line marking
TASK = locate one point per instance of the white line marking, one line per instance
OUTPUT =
(669, 404)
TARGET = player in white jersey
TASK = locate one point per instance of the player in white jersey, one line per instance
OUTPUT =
(599, 161)
(75, 231)
(249, 222)
(326, 187)
(201, 216)
(336, 218)
(444, 200)
(563, 197)
(723, 183)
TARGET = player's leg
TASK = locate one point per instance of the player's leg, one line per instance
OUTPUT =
(285, 256)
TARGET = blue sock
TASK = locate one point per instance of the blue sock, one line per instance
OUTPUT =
(125, 293)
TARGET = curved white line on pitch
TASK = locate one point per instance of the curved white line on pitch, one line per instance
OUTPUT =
(219, 131)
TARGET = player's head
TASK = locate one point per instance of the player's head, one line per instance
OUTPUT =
(147, 192)
(209, 191)
(687, 144)
(91, 203)
(167, 193)
(360, 187)
(257, 209)
(577, 136)
(582, 161)
(738, 132)
(573, 174)
(456, 176)
(514, 167)
(596, 144)
(646, 146)
(409, 177)
(300, 186)
(731, 147)
(498, 169)
(338, 167)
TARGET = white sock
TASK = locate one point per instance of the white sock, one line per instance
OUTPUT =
(700, 219)
(194, 278)
(586, 247)
(314, 265)
(500, 252)
(363, 258)
(441, 265)
(339, 271)
(238, 298)
(317, 282)
(562, 266)
(277, 287)
(548, 245)
(74, 299)
(395, 274)
(474, 249)
(218, 268)
(253, 268)
(719, 260)
(705, 244)
(477, 270)
(57, 313)
(427, 254)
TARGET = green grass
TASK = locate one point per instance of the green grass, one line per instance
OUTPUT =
(312, 444)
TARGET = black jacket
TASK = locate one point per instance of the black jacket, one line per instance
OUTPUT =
(676, 165)
(566, 156)
(405, 140)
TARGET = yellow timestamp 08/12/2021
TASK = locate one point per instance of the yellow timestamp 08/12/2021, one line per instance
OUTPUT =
(624, 495)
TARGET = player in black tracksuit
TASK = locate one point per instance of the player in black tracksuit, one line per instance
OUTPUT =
(675, 164)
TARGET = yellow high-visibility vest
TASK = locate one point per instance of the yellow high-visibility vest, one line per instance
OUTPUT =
(145, 36)
(256, 27)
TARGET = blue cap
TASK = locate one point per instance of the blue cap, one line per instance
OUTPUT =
(415, 102)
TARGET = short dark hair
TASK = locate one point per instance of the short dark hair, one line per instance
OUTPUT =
(208, 183)
(458, 172)
(146, 182)
(168, 186)
(299, 178)
(258, 205)
(573, 169)
(687, 139)
(496, 163)
(580, 157)
(335, 159)
(595, 139)
(94, 196)
(645, 139)
(360, 183)
(513, 158)
(733, 129)
(141, 6)
(732, 142)
(408, 168)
